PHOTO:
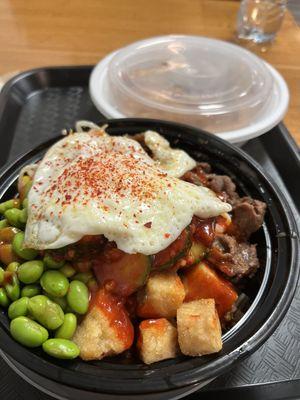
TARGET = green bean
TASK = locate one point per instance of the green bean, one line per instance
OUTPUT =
(3, 223)
(51, 263)
(78, 297)
(1, 275)
(4, 300)
(30, 290)
(28, 332)
(31, 271)
(18, 308)
(55, 283)
(68, 328)
(13, 216)
(83, 277)
(13, 288)
(17, 244)
(61, 348)
(46, 312)
(6, 205)
(68, 270)
(13, 266)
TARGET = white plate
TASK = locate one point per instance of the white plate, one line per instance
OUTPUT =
(272, 115)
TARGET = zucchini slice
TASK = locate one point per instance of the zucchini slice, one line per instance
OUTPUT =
(122, 274)
(169, 256)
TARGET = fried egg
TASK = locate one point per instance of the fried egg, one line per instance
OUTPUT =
(90, 183)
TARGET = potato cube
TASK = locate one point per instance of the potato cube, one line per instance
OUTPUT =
(157, 340)
(199, 329)
(106, 329)
(162, 295)
(202, 282)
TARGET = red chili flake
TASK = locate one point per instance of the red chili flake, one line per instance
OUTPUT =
(68, 197)
(167, 235)
(148, 224)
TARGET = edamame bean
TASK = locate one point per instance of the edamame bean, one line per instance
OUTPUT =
(17, 244)
(30, 271)
(3, 223)
(51, 263)
(13, 217)
(83, 277)
(6, 205)
(78, 297)
(1, 275)
(61, 348)
(46, 312)
(28, 332)
(68, 328)
(18, 308)
(61, 301)
(13, 288)
(55, 283)
(68, 270)
(13, 266)
(25, 203)
(4, 300)
(30, 290)
(23, 216)
(92, 285)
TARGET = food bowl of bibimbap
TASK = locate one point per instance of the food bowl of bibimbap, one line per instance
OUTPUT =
(139, 258)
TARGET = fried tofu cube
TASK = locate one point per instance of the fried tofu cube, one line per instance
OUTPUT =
(199, 329)
(202, 282)
(106, 329)
(157, 340)
(162, 295)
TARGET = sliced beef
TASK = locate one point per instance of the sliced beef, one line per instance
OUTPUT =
(222, 185)
(247, 217)
(232, 258)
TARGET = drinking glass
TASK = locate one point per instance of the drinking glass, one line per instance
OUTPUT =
(260, 20)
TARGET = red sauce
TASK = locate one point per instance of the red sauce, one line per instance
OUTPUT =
(116, 314)
(204, 230)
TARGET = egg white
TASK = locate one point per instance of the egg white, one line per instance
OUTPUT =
(130, 200)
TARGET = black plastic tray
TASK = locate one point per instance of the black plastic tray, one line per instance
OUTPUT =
(36, 105)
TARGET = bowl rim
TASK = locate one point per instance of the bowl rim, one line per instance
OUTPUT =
(180, 377)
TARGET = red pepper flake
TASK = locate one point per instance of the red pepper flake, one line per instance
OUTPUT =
(148, 224)
(68, 197)
(167, 235)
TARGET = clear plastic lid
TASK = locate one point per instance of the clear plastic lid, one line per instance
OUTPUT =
(205, 82)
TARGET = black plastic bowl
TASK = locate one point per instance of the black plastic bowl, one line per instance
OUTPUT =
(271, 292)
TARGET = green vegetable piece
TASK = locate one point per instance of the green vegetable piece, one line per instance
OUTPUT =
(25, 203)
(30, 290)
(68, 270)
(4, 300)
(61, 348)
(18, 308)
(46, 312)
(92, 285)
(55, 283)
(23, 216)
(1, 275)
(51, 263)
(83, 277)
(6, 205)
(31, 271)
(3, 223)
(17, 244)
(13, 288)
(68, 328)
(27, 187)
(61, 301)
(13, 216)
(78, 297)
(28, 332)
(13, 266)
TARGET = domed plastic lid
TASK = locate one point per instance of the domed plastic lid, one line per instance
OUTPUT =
(189, 76)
